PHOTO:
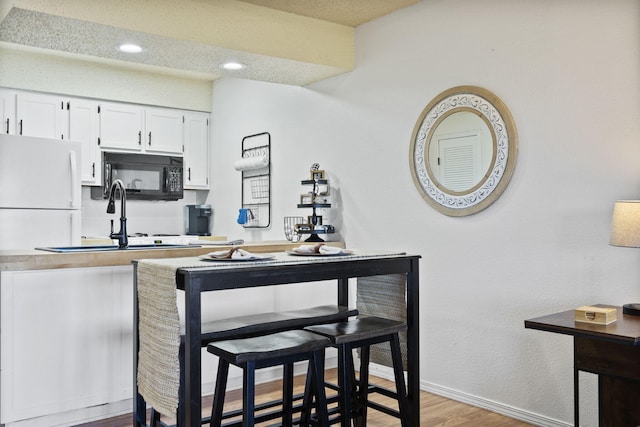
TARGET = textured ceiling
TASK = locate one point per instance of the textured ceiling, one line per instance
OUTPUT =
(346, 12)
(282, 41)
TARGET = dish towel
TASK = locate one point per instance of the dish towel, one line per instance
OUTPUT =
(319, 248)
(159, 336)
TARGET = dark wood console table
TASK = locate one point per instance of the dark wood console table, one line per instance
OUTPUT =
(282, 270)
(613, 353)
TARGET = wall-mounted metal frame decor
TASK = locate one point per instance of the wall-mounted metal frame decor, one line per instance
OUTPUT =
(463, 150)
(256, 179)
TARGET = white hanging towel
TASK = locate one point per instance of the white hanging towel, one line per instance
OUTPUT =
(249, 163)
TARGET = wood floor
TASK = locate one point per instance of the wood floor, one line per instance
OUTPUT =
(435, 411)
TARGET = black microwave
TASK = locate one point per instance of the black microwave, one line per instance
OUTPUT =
(145, 176)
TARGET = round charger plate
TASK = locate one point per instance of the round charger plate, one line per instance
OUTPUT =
(344, 252)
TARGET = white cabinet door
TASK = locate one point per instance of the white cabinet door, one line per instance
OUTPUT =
(163, 133)
(44, 116)
(8, 111)
(196, 150)
(60, 331)
(83, 127)
(121, 126)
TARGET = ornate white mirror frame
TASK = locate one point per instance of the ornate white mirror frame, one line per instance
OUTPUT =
(495, 174)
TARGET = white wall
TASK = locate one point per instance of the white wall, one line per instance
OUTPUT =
(569, 72)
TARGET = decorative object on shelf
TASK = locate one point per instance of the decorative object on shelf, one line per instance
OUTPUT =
(625, 232)
(290, 227)
(315, 199)
(255, 166)
(463, 150)
(317, 174)
(318, 219)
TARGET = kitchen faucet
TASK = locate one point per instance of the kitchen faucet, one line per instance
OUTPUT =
(123, 242)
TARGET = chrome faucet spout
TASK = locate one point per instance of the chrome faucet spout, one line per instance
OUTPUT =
(121, 235)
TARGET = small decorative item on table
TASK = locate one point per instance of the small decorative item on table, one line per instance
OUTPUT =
(317, 198)
(595, 315)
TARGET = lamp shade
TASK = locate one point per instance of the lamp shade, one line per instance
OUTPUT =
(625, 225)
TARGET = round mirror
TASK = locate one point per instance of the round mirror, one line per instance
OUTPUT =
(463, 150)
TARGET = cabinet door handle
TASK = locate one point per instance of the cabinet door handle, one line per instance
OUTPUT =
(20, 126)
(189, 174)
(7, 125)
(140, 137)
(93, 169)
(149, 139)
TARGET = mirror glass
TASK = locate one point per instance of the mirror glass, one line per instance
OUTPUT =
(460, 151)
(463, 150)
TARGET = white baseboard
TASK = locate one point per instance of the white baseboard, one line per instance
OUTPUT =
(480, 402)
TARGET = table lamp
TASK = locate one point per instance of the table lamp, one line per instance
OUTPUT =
(625, 232)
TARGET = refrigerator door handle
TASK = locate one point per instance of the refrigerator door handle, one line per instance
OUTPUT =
(74, 229)
(73, 168)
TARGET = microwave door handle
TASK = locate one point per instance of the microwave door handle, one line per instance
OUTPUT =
(165, 189)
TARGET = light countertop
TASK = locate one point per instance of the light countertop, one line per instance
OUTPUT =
(43, 260)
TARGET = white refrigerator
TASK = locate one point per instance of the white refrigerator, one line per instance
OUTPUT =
(40, 192)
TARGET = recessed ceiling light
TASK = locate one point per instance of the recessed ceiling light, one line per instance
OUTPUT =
(233, 66)
(129, 48)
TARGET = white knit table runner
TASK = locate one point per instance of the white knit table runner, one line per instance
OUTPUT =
(159, 332)
(159, 322)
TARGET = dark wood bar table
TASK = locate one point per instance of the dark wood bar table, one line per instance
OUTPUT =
(283, 269)
(610, 351)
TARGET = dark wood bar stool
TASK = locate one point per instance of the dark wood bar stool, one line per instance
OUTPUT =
(255, 325)
(362, 333)
(282, 348)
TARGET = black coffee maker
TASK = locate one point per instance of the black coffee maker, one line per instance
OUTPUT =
(198, 220)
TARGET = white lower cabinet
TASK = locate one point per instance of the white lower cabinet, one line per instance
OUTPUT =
(66, 340)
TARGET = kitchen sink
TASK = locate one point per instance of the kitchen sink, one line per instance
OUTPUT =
(106, 248)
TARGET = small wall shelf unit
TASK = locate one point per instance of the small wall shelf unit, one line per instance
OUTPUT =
(315, 199)
(255, 166)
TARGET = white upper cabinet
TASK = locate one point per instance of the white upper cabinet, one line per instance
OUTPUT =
(127, 127)
(111, 126)
(163, 130)
(120, 126)
(83, 127)
(8, 111)
(44, 116)
(196, 150)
